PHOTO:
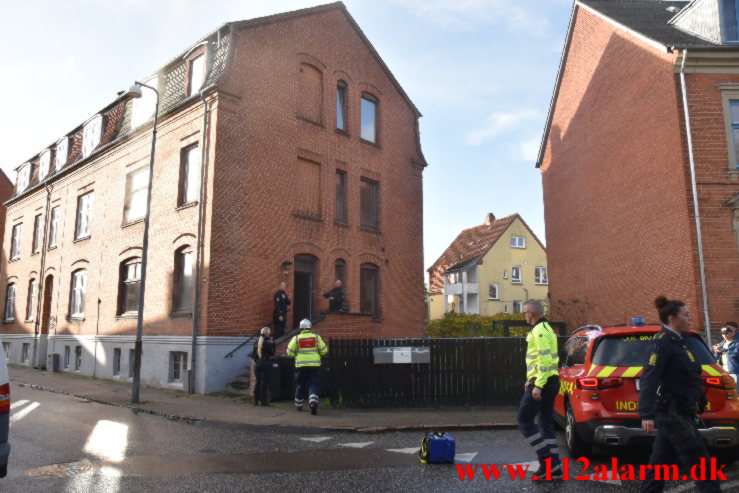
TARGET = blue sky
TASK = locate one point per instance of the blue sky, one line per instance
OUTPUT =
(480, 71)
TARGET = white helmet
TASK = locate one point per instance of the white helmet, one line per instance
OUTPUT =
(305, 324)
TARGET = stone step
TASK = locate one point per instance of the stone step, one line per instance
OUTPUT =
(238, 388)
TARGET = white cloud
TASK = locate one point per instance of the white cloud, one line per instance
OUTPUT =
(499, 123)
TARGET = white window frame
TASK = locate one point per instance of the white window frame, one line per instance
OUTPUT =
(25, 352)
(44, 164)
(15, 245)
(729, 93)
(518, 242)
(516, 279)
(24, 177)
(540, 279)
(38, 230)
(77, 358)
(193, 84)
(497, 291)
(134, 203)
(189, 175)
(92, 134)
(62, 153)
(77, 295)
(84, 216)
(30, 303)
(177, 366)
(10, 293)
(144, 107)
(53, 227)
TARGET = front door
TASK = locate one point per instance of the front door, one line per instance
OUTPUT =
(303, 295)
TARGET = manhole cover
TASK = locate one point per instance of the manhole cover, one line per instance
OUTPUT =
(63, 470)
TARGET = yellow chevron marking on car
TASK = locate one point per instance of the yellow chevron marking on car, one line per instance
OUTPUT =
(631, 372)
(606, 371)
(711, 370)
(565, 387)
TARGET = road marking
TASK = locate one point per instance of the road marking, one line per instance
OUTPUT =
(356, 444)
(18, 404)
(19, 415)
(316, 439)
(465, 457)
(409, 450)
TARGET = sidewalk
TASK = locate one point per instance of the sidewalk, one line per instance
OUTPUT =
(179, 405)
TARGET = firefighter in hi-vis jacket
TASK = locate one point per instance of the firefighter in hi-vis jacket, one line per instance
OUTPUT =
(307, 349)
(540, 389)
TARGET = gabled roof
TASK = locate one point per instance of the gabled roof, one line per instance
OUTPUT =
(648, 19)
(474, 243)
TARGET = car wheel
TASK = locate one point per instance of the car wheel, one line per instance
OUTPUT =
(576, 445)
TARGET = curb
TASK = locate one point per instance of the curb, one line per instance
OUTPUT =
(173, 417)
(457, 427)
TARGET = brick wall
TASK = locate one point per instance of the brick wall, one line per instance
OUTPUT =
(615, 182)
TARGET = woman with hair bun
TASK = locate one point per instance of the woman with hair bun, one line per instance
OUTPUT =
(671, 397)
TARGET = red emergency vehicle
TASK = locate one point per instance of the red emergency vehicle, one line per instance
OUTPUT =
(599, 389)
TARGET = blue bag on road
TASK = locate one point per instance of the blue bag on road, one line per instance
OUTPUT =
(437, 448)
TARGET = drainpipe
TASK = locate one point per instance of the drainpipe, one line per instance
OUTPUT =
(696, 210)
(198, 241)
(40, 282)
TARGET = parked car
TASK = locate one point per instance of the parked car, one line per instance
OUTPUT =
(4, 414)
(599, 389)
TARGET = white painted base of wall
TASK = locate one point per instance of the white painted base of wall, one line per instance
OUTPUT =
(213, 371)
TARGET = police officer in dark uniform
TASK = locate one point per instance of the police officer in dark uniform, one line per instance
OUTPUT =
(279, 315)
(671, 397)
(335, 297)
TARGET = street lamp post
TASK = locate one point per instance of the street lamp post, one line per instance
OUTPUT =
(135, 92)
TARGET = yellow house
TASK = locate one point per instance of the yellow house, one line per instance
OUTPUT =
(489, 269)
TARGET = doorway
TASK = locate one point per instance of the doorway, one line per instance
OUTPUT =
(303, 294)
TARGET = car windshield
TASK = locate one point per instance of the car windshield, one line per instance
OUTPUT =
(634, 350)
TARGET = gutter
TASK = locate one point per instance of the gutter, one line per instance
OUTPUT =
(198, 248)
(696, 210)
(40, 281)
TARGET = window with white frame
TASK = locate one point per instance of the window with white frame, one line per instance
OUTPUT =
(53, 227)
(129, 288)
(505, 308)
(6, 350)
(189, 175)
(196, 74)
(77, 358)
(177, 366)
(30, 303)
(38, 231)
(730, 16)
(25, 352)
(516, 274)
(183, 279)
(116, 361)
(144, 107)
(67, 352)
(24, 177)
(540, 275)
(62, 153)
(517, 306)
(10, 303)
(44, 164)
(134, 205)
(734, 122)
(493, 291)
(15, 246)
(518, 242)
(91, 135)
(84, 216)
(77, 298)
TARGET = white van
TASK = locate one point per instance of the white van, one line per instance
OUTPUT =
(4, 413)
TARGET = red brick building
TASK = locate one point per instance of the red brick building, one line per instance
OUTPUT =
(311, 170)
(639, 161)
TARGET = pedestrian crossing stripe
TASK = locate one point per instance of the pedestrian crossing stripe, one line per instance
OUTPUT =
(316, 439)
(409, 450)
(465, 457)
(356, 444)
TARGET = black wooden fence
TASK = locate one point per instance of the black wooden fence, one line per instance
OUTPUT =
(476, 371)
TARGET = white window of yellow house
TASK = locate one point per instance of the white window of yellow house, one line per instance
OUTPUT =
(44, 164)
(493, 291)
(62, 153)
(518, 242)
(516, 274)
(91, 135)
(540, 275)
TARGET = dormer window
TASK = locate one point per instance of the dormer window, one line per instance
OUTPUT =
(143, 107)
(91, 134)
(44, 164)
(195, 70)
(24, 176)
(62, 153)
(730, 16)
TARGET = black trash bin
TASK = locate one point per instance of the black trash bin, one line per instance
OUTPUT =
(275, 380)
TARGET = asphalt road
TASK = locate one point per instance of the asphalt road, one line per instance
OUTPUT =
(61, 443)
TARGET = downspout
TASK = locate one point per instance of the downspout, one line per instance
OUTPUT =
(198, 241)
(40, 289)
(696, 210)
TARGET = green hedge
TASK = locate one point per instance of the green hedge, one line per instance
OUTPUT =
(466, 325)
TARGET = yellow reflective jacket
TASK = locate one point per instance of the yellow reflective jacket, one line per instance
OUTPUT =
(307, 349)
(541, 353)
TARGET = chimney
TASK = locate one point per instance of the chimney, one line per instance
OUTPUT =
(489, 218)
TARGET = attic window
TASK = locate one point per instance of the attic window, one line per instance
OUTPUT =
(91, 134)
(44, 163)
(62, 148)
(143, 107)
(730, 16)
(195, 70)
(673, 9)
(24, 176)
